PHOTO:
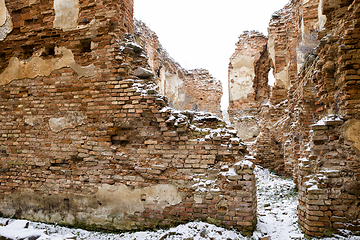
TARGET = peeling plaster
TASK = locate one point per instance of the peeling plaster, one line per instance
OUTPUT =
(321, 18)
(120, 199)
(33, 120)
(31, 2)
(271, 48)
(71, 120)
(66, 14)
(172, 84)
(352, 132)
(282, 78)
(247, 128)
(106, 207)
(242, 74)
(6, 25)
(36, 66)
(81, 71)
(3, 12)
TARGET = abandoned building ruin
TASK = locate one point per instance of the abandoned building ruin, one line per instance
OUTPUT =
(100, 128)
(88, 140)
(306, 126)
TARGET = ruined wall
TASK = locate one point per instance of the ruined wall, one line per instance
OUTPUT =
(309, 128)
(193, 89)
(330, 183)
(248, 82)
(309, 125)
(320, 157)
(86, 139)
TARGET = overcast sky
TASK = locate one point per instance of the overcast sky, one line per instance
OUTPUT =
(203, 33)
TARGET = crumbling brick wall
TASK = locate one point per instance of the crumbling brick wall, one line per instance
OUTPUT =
(329, 174)
(309, 126)
(321, 157)
(248, 82)
(186, 89)
(87, 140)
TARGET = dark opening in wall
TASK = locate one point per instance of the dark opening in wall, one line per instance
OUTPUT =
(85, 45)
(26, 52)
(2, 60)
(49, 51)
(123, 134)
(113, 25)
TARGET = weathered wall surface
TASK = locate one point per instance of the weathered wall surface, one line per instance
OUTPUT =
(87, 140)
(331, 169)
(193, 89)
(309, 126)
(248, 83)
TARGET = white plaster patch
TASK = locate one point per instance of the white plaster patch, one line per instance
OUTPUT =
(3, 12)
(6, 25)
(33, 120)
(81, 71)
(247, 128)
(66, 14)
(172, 84)
(271, 48)
(282, 78)
(120, 199)
(71, 120)
(241, 77)
(162, 81)
(321, 18)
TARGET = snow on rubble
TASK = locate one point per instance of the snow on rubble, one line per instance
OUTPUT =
(277, 220)
(201, 122)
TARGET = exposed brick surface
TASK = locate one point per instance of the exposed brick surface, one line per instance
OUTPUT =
(90, 144)
(309, 125)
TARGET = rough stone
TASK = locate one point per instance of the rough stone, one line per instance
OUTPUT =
(143, 73)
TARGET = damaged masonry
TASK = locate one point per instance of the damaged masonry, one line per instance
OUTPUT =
(88, 140)
(101, 129)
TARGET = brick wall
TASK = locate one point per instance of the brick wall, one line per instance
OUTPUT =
(329, 174)
(86, 139)
(309, 125)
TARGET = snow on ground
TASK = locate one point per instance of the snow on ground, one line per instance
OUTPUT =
(277, 219)
(277, 207)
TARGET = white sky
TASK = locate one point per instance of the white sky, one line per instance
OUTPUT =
(203, 33)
